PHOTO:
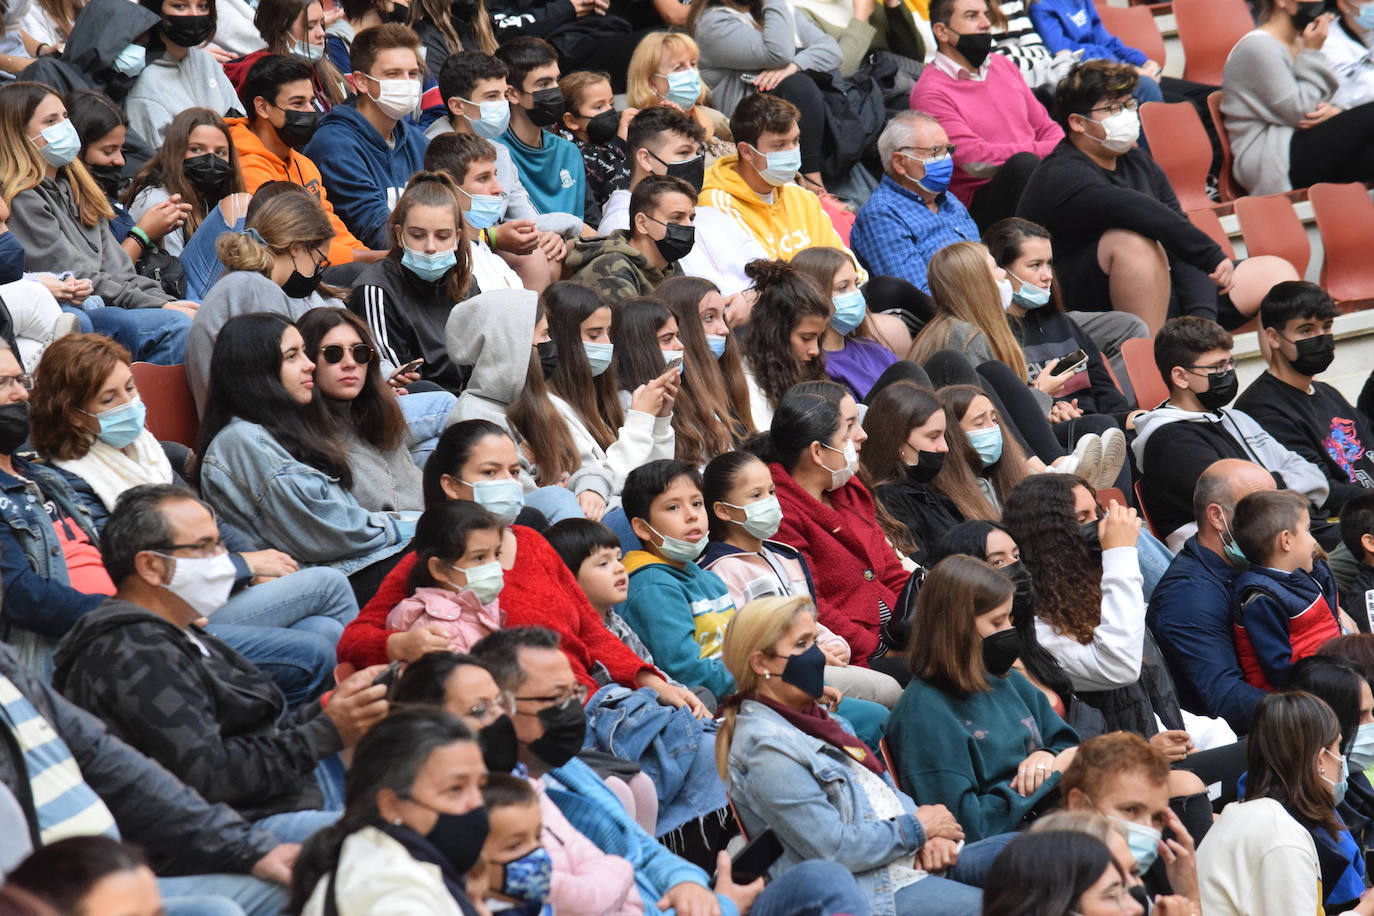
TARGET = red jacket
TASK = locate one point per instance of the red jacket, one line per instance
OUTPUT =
(539, 592)
(855, 565)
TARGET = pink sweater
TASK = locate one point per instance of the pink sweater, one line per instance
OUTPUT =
(988, 120)
(463, 618)
(586, 881)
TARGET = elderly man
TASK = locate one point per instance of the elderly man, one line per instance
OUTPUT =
(911, 215)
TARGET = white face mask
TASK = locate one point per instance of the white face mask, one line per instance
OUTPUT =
(396, 98)
(203, 583)
(1006, 292)
(1123, 129)
(851, 464)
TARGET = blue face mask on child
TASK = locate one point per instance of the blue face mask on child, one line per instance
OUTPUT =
(850, 309)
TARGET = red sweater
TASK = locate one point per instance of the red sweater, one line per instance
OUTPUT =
(539, 592)
(856, 567)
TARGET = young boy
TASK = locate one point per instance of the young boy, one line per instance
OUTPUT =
(471, 162)
(633, 263)
(519, 870)
(1284, 606)
(598, 130)
(1357, 532)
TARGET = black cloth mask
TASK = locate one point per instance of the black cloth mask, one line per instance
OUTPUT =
(12, 257)
(1314, 354)
(299, 286)
(14, 426)
(1087, 532)
(500, 748)
(1221, 390)
(298, 127)
(975, 46)
(603, 127)
(692, 171)
(565, 727)
(1000, 651)
(109, 177)
(548, 107)
(188, 31)
(806, 671)
(459, 837)
(208, 174)
(677, 241)
(548, 357)
(927, 466)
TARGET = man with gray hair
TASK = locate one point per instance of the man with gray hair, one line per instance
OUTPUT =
(911, 215)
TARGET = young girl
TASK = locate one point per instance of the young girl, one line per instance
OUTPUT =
(598, 130)
(686, 296)
(781, 342)
(646, 340)
(702, 416)
(1001, 462)
(446, 28)
(181, 73)
(457, 578)
(295, 27)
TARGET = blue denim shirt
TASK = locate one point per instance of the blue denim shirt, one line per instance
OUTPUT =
(281, 502)
(804, 789)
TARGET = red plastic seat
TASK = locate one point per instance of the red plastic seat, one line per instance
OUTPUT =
(1138, 354)
(1207, 220)
(1208, 30)
(1227, 184)
(1270, 225)
(166, 393)
(1140, 504)
(1345, 219)
(1179, 144)
(1135, 26)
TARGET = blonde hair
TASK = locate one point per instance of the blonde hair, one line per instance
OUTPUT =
(964, 290)
(639, 90)
(756, 627)
(287, 219)
(23, 168)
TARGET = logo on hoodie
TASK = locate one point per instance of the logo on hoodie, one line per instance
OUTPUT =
(565, 178)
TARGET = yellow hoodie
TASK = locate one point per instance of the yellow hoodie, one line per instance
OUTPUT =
(260, 165)
(793, 221)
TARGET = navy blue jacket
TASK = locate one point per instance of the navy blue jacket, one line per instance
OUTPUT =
(1280, 617)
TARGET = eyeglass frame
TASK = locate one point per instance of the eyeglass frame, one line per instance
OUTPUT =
(948, 151)
(503, 703)
(353, 349)
(578, 691)
(1129, 104)
(1208, 371)
(24, 378)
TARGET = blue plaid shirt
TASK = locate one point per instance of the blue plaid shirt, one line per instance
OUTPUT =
(896, 234)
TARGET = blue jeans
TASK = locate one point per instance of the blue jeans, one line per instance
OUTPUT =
(315, 600)
(228, 895)
(557, 503)
(150, 335)
(427, 414)
(958, 893)
(811, 888)
(1154, 559)
(301, 663)
(298, 826)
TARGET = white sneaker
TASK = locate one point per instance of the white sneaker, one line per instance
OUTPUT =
(1089, 455)
(1113, 457)
(66, 323)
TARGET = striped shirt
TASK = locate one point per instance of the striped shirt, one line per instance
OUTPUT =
(1022, 44)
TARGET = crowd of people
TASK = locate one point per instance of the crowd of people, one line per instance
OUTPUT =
(538, 553)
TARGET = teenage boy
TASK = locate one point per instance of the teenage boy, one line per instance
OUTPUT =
(1357, 533)
(1178, 440)
(365, 149)
(471, 162)
(1310, 417)
(549, 165)
(633, 263)
(278, 94)
(1285, 604)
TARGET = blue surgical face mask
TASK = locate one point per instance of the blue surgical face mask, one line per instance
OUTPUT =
(684, 88)
(717, 344)
(850, 309)
(486, 209)
(63, 143)
(1030, 296)
(938, 173)
(598, 355)
(781, 167)
(1341, 783)
(987, 443)
(1364, 16)
(493, 119)
(677, 549)
(131, 60)
(120, 426)
(502, 498)
(1361, 754)
(429, 267)
(307, 50)
(11, 258)
(1143, 841)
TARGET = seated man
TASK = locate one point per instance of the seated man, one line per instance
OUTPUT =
(368, 149)
(228, 734)
(911, 215)
(999, 130)
(633, 262)
(278, 94)
(1178, 440)
(1190, 609)
(1120, 238)
(475, 166)
(1309, 417)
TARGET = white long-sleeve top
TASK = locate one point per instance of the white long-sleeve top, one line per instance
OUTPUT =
(1258, 861)
(643, 437)
(1113, 658)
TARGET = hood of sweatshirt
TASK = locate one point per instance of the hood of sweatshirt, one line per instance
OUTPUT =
(725, 177)
(637, 560)
(618, 242)
(1165, 414)
(251, 149)
(493, 332)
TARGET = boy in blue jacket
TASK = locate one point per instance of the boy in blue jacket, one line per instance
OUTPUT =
(367, 150)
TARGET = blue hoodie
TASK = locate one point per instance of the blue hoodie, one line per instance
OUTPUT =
(364, 176)
(1073, 25)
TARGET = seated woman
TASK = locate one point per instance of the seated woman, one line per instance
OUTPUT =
(664, 71)
(790, 767)
(969, 732)
(1060, 871)
(271, 465)
(780, 346)
(181, 73)
(413, 811)
(1001, 462)
(693, 300)
(295, 28)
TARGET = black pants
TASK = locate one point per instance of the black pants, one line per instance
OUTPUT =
(895, 296)
(801, 90)
(950, 367)
(1021, 409)
(998, 198)
(1341, 148)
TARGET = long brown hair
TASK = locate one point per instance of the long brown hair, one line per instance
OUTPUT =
(164, 169)
(701, 416)
(21, 166)
(374, 415)
(435, 189)
(1287, 733)
(945, 647)
(595, 399)
(1039, 513)
(541, 425)
(819, 265)
(679, 292)
(964, 291)
(439, 15)
(273, 20)
(1006, 472)
(60, 426)
(784, 299)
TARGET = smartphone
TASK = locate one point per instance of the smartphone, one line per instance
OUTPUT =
(415, 364)
(756, 857)
(388, 676)
(1071, 363)
(674, 365)
(748, 77)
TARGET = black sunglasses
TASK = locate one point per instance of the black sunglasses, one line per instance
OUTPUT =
(334, 353)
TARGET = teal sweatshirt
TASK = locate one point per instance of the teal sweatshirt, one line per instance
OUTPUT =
(554, 174)
(681, 614)
(962, 752)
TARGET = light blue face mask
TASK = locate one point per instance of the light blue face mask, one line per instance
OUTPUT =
(502, 498)
(485, 580)
(684, 88)
(987, 443)
(1030, 296)
(486, 209)
(307, 50)
(1364, 17)
(679, 550)
(1143, 841)
(63, 143)
(850, 309)
(761, 517)
(493, 119)
(131, 60)
(120, 426)
(598, 355)
(1338, 786)
(1361, 754)
(781, 167)
(670, 355)
(717, 344)
(428, 267)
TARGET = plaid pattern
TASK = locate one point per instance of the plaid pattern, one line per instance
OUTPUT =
(896, 234)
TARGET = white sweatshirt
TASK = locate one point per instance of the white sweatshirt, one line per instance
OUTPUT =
(641, 439)
(1113, 658)
(1258, 861)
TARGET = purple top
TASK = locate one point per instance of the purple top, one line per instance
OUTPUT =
(858, 365)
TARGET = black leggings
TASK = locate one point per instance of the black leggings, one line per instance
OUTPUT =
(1341, 148)
(895, 296)
(998, 198)
(801, 90)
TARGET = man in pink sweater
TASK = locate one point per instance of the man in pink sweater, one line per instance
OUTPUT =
(998, 129)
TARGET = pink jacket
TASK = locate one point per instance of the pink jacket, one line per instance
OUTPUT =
(748, 576)
(586, 881)
(463, 618)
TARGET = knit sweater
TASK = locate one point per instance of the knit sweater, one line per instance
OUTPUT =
(1257, 860)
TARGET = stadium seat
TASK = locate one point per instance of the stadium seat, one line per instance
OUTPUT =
(1140, 505)
(167, 395)
(1139, 356)
(1226, 182)
(1107, 494)
(1179, 145)
(1208, 30)
(1345, 219)
(886, 753)
(1207, 220)
(1271, 226)
(1135, 26)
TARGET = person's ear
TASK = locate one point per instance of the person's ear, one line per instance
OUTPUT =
(438, 569)
(1272, 336)
(1284, 541)
(721, 511)
(641, 529)
(360, 82)
(570, 121)
(388, 805)
(150, 567)
(1178, 377)
(758, 664)
(512, 96)
(1076, 800)
(455, 107)
(450, 486)
(1216, 518)
(1367, 542)
(261, 108)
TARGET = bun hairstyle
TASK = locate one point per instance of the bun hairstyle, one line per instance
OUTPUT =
(289, 218)
(785, 297)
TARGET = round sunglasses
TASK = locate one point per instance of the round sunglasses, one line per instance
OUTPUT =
(334, 353)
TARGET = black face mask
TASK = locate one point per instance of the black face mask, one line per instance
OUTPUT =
(603, 128)
(548, 357)
(459, 837)
(462, 10)
(208, 174)
(806, 671)
(500, 749)
(677, 241)
(14, 426)
(12, 257)
(926, 466)
(975, 46)
(1141, 896)
(692, 171)
(1221, 390)
(564, 729)
(1023, 601)
(1307, 12)
(1000, 651)
(298, 127)
(109, 177)
(298, 285)
(1314, 354)
(399, 13)
(188, 31)
(1087, 532)
(548, 107)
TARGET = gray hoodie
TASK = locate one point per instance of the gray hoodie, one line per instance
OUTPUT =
(492, 332)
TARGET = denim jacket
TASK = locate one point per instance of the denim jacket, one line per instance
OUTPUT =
(279, 501)
(804, 789)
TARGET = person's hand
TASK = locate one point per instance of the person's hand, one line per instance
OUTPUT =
(517, 236)
(181, 305)
(410, 645)
(938, 854)
(1224, 276)
(1366, 905)
(626, 117)
(1347, 623)
(1048, 382)
(400, 378)
(1150, 68)
(1175, 905)
(738, 306)
(689, 899)
(163, 217)
(357, 704)
(648, 398)
(269, 564)
(220, 55)
(863, 9)
(1319, 114)
(672, 383)
(830, 697)
(690, 700)
(1120, 527)
(593, 506)
(277, 864)
(62, 290)
(333, 15)
(833, 658)
(1133, 416)
(583, 7)
(553, 246)
(1314, 36)
(1032, 772)
(1180, 859)
(1174, 744)
(1064, 410)
(769, 79)
(741, 895)
(936, 821)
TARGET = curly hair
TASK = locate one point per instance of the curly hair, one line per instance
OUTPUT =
(785, 297)
(1040, 516)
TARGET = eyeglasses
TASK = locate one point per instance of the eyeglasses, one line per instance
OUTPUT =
(1117, 107)
(1213, 370)
(200, 551)
(936, 152)
(334, 353)
(25, 380)
(488, 711)
(577, 694)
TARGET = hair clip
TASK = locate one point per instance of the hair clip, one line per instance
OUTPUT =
(255, 236)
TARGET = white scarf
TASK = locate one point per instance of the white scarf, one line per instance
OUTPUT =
(110, 471)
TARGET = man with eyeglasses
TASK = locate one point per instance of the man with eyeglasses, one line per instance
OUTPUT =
(1177, 441)
(1121, 240)
(911, 215)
